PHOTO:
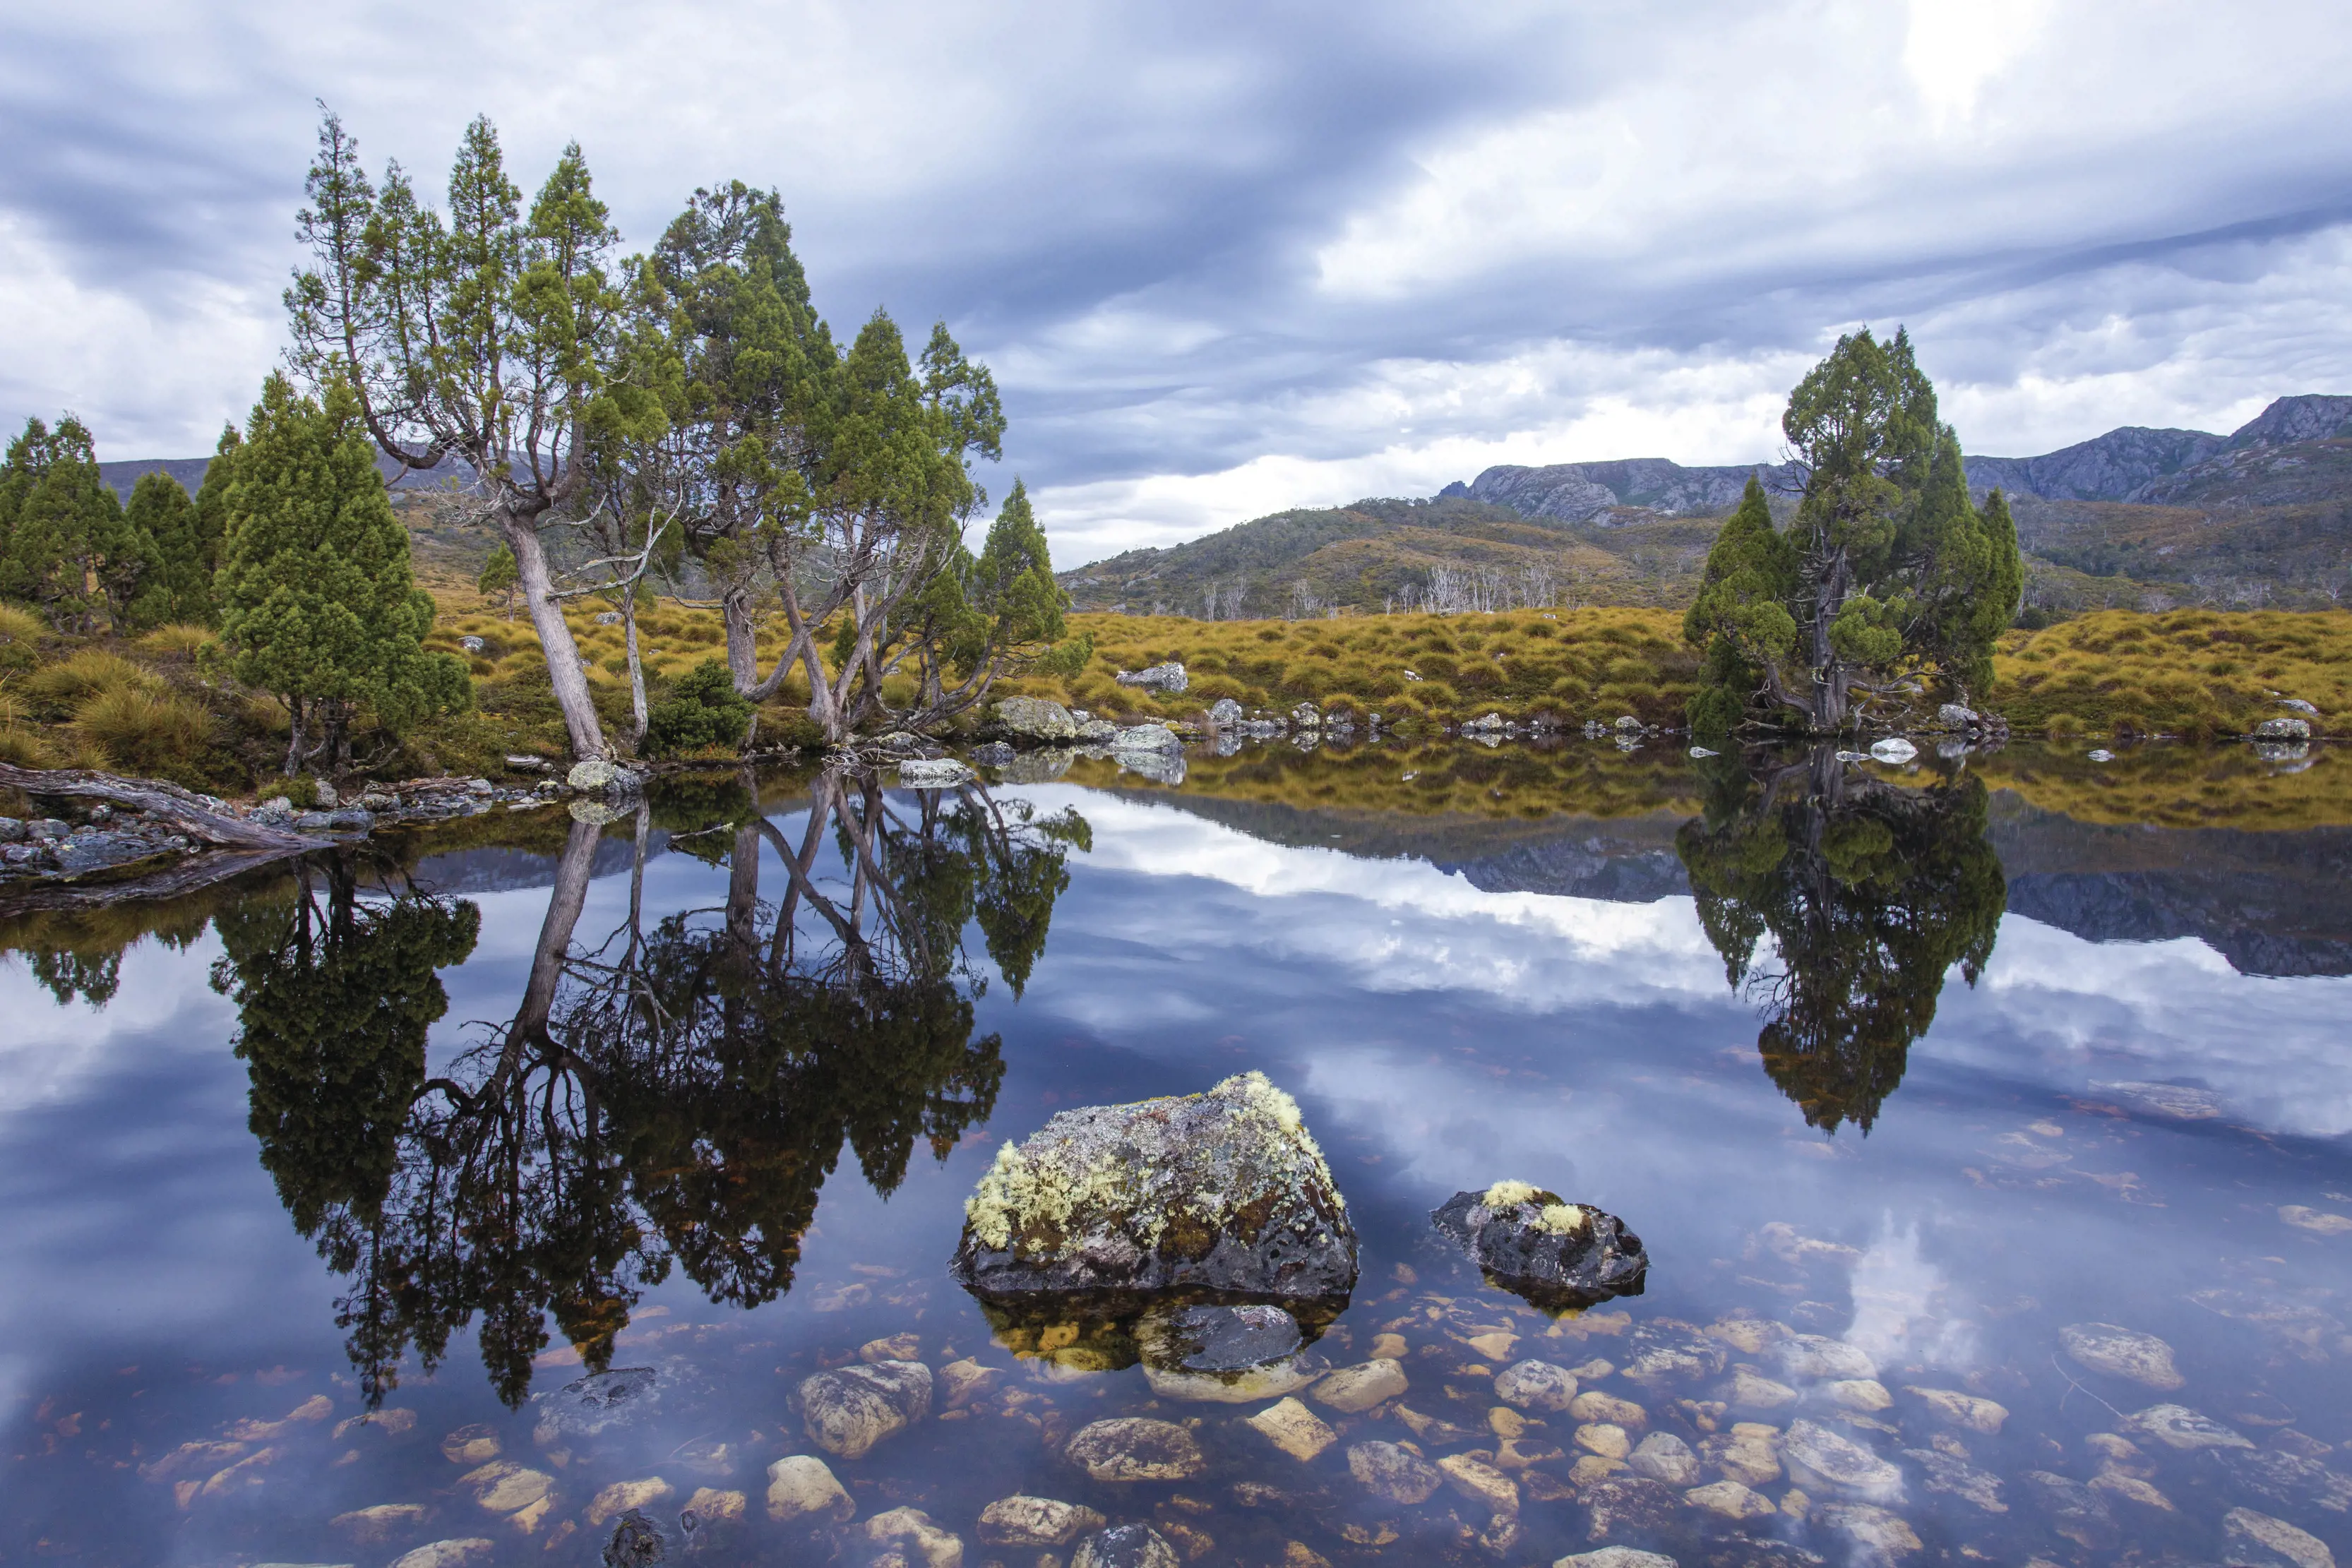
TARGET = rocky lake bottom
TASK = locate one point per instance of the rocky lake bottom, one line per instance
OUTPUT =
(583, 1191)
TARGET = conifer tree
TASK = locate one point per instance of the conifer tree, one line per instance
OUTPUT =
(499, 578)
(1888, 572)
(180, 588)
(65, 544)
(317, 606)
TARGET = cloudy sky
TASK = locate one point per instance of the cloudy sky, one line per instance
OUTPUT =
(1228, 258)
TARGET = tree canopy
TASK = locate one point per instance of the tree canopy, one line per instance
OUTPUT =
(1888, 574)
(65, 544)
(318, 605)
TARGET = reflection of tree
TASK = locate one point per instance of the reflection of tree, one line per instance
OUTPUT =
(1869, 892)
(680, 1091)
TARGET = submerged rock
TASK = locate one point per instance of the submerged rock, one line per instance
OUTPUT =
(636, 1542)
(1666, 1458)
(1358, 1388)
(1135, 1448)
(917, 1530)
(1536, 1386)
(1555, 1255)
(1124, 1546)
(801, 1487)
(2074, 1509)
(848, 1410)
(1617, 1557)
(1021, 1521)
(1628, 1504)
(1393, 1473)
(2259, 1540)
(2121, 1352)
(1223, 1191)
(1894, 749)
(1823, 1461)
(2178, 1427)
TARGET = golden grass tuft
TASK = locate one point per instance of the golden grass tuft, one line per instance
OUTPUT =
(151, 734)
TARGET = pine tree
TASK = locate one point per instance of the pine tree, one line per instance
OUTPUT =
(64, 545)
(317, 606)
(180, 588)
(1888, 572)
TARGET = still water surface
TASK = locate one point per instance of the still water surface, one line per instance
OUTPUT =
(430, 1139)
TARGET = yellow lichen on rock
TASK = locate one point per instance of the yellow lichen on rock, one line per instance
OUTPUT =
(1508, 1195)
(1561, 1219)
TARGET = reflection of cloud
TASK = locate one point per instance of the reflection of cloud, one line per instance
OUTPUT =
(1904, 1308)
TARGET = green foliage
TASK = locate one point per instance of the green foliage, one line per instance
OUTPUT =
(703, 709)
(65, 544)
(1886, 571)
(187, 554)
(499, 578)
(317, 606)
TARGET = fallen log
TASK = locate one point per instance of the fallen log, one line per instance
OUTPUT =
(184, 809)
(191, 874)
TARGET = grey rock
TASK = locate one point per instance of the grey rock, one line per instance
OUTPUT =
(1549, 1253)
(2258, 1541)
(1816, 1356)
(472, 645)
(1894, 749)
(11, 831)
(86, 853)
(2099, 754)
(1392, 1473)
(608, 618)
(1223, 1190)
(1492, 721)
(2122, 1352)
(1167, 677)
(1701, 751)
(1035, 719)
(1665, 1458)
(527, 764)
(1625, 1504)
(1022, 1521)
(2074, 1509)
(352, 820)
(1628, 725)
(934, 773)
(850, 1410)
(2298, 705)
(1535, 1385)
(1146, 737)
(484, 786)
(1098, 731)
(993, 754)
(2283, 729)
(1217, 1338)
(588, 1405)
(1950, 1473)
(594, 773)
(2178, 1427)
(1307, 716)
(1224, 713)
(1124, 1546)
(314, 823)
(1955, 716)
(1619, 1557)
(323, 795)
(283, 804)
(1823, 1461)
(1595, 492)
(47, 830)
(2294, 1481)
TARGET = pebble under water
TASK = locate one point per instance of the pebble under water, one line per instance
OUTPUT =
(543, 1191)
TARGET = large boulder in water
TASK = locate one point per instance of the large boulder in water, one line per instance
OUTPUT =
(1035, 719)
(1551, 1253)
(1222, 1192)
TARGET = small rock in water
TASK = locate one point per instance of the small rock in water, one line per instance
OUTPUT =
(847, 1411)
(624, 1497)
(2106, 1347)
(380, 1522)
(2296, 1481)
(475, 1445)
(1750, 1453)
(1750, 1390)
(1124, 1546)
(1224, 713)
(1880, 1536)
(1293, 1428)
(462, 1552)
(2099, 754)
(1035, 719)
(1867, 1394)
(1894, 749)
(1480, 1483)
(1022, 1521)
(1617, 1557)
(1823, 1461)
(913, 1528)
(1665, 1458)
(636, 1542)
(1358, 1388)
(2178, 1427)
(1555, 1255)
(2131, 1488)
(1594, 1405)
(1951, 1473)
(1731, 1499)
(1812, 1357)
(1135, 1448)
(1393, 1474)
(1626, 1504)
(504, 1487)
(1702, 752)
(1217, 1338)
(2259, 1540)
(934, 773)
(992, 754)
(1536, 1386)
(2075, 1511)
(1962, 1409)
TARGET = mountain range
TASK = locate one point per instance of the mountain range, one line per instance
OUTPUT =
(2137, 517)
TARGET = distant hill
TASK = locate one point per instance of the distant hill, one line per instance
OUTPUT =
(2135, 519)
(121, 477)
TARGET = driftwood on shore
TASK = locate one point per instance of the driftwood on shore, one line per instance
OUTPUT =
(187, 811)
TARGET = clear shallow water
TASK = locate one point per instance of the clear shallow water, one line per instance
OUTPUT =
(2136, 1116)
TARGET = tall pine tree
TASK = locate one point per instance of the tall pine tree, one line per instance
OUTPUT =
(317, 606)
(65, 544)
(181, 587)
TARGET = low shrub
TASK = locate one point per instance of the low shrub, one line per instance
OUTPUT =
(703, 710)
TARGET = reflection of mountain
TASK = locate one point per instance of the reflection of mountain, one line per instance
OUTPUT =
(499, 870)
(2271, 904)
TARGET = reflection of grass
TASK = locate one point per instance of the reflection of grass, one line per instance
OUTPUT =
(2176, 785)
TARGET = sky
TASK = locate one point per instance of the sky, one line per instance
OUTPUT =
(1225, 259)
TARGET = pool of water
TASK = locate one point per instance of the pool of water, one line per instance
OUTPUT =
(440, 1203)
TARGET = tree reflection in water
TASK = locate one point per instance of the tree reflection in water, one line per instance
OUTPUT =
(1869, 891)
(676, 1094)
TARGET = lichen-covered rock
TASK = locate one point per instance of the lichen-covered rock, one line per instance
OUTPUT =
(1135, 1448)
(801, 1487)
(1035, 719)
(1664, 1457)
(1167, 677)
(2283, 729)
(1022, 1521)
(594, 773)
(1962, 1409)
(933, 773)
(913, 1528)
(2123, 1353)
(1809, 1356)
(848, 1410)
(1536, 1386)
(1223, 1191)
(1626, 1504)
(1617, 1557)
(2074, 1509)
(1878, 1536)
(1124, 1546)
(455, 1553)
(1555, 1255)
(1358, 1388)
(1730, 1499)
(1481, 1483)
(1153, 738)
(992, 754)
(1293, 1428)
(1224, 713)
(2261, 1542)
(1393, 1474)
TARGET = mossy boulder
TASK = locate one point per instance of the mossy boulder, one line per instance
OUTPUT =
(1552, 1254)
(1222, 1192)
